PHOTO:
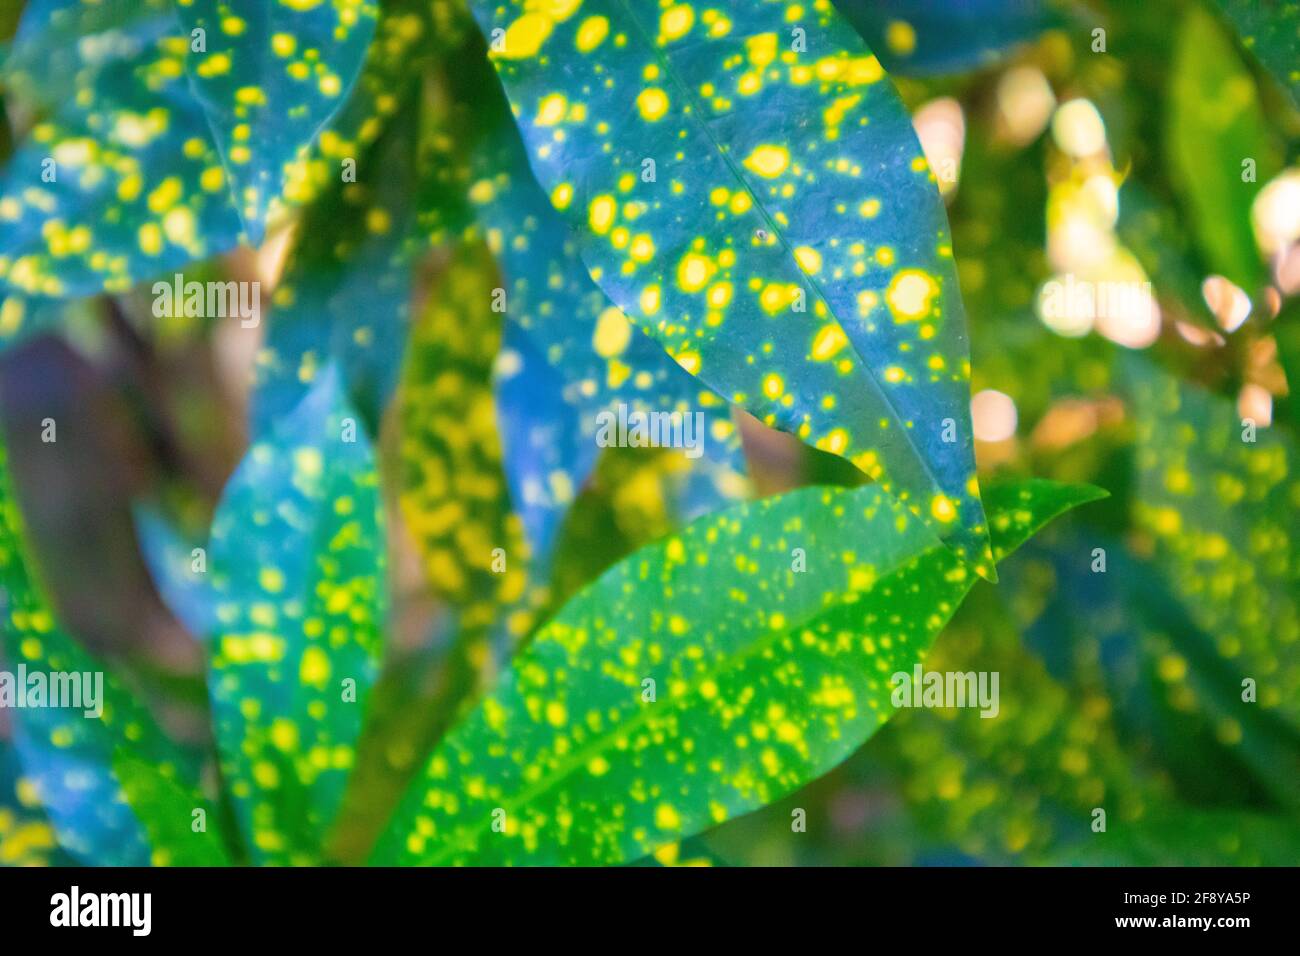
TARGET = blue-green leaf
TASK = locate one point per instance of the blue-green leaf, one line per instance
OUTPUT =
(271, 75)
(1271, 30)
(724, 169)
(297, 559)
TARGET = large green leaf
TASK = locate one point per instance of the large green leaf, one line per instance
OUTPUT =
(1219, 506)
(1271, 30)
(789, 245)
(765, 678)
(121, 182)
(272, 75)
(66, 755)
(297, 563)
(1215, 125)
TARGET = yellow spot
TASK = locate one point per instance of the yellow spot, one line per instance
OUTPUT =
(900, 37)
(643, 248)
(526, 35)
(650, 299)
(601, 214)
(676, 22)
(942, 508)
(773, 385)
(284, 734)
(271, 580)
(598, 766)
(909, 295)
(694, 271)
(551, 110)
(562, 196)
(613, 332)
(768, 161)
(653, 104)
(666, 818)
(150, 238)
(283, 44)
(556, 715)
(592, 33)
(330, 85)
(828, 342)
(315, 669)
(810, 260)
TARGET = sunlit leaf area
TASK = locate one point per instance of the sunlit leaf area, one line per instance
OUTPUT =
(594, 433)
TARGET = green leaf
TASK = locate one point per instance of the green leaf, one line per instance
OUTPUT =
(272, 75)
(297, 559)
(166, 808)
(1216, 125)
(765, 678)
(66, 754)
(1219, 508)
(782, 181)
(120, 183)
(1271, 30)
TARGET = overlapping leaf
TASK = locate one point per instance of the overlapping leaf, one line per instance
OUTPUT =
(297, 559)
(1221, 511)
(763, 678)
(121, 182)
(67, 755)
(178, 573)
(785, 175)
(946, 36)
(569, 356)
(1271, 30)
(1219, 146)
(346, 294)
(270, 75)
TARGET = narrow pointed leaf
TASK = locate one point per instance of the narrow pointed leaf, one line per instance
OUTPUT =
(187, 593)
(271, 76)
(788, 244)
(765, 678)
(297, 559)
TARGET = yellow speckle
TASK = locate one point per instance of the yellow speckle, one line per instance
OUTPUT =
(768, 161)
(694, 271)
(283, 44)
(666, 817)
(676, 22)
(810, 260)
(828, 342)
(910, 294)
(271, 580)
(601, 214)
(526, 35)
(315, 669)
(592, 33)
(561, 196)
(942, 508)
(773, 385)
(653, 104)
(613, 333)
(551, 110)
(556, 714)
(900, 37)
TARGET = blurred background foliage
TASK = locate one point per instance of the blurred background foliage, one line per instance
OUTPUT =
(1098, 140)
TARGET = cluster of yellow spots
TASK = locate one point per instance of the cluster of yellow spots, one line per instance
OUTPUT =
(525, 36)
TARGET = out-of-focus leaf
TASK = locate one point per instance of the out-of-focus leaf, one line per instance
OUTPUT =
(297, 560)
(26, 836)
(1286, 330)
(1271, 30)
(345, 296)
(120, 183)
(918, 37)
(765, 678)
(1219, 146)
(166, 808)
(1181, 836)
(172, 563)
(67, 755)
(1120, 634)
(270, 77)
(720, 174)
(1220, 514)
(569, 355)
